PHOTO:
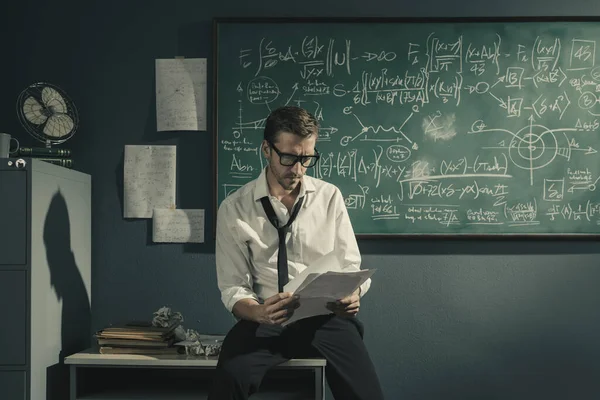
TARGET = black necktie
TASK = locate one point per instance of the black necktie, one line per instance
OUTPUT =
(282, 265)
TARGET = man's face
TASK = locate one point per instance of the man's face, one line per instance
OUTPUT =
(289, 177)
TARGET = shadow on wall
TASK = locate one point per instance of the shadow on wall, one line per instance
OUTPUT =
(69, 288)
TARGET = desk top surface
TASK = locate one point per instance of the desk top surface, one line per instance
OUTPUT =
(91, 357)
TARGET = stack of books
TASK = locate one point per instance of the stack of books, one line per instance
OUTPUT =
(137, 338)
(56, 156)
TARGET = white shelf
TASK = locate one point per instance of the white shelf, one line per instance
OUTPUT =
(92, 358)
(178, 377)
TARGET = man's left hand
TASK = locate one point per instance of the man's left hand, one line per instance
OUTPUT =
(346, 307)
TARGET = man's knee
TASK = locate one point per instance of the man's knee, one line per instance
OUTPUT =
(351, 325)
(358, 325)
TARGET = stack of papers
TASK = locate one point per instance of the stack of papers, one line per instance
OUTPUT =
(321, 283)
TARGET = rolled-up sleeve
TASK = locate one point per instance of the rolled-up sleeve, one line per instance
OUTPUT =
(345, 244)
(234, 278)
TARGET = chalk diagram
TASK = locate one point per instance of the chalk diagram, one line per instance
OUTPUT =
(263, 90)
(253, 87)
(534, 146)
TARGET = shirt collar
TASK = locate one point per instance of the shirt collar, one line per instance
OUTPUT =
(262, 188)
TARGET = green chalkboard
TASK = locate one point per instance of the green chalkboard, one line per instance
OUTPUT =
(428, 127)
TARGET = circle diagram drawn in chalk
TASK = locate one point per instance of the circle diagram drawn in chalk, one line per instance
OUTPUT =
(533, 147)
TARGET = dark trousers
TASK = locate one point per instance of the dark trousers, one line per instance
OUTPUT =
(251, 349)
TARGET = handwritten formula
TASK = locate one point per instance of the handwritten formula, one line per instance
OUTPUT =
(440, 128)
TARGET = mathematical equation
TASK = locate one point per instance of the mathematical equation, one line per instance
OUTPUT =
(442, 128)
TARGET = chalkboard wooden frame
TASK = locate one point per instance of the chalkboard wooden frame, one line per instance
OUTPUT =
(388, 20)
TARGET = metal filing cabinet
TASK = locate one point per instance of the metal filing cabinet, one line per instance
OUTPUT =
(45, 276)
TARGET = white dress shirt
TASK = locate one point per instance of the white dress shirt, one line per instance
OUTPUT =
(247, 243)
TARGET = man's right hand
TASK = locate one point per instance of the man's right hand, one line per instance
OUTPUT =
(276, 309)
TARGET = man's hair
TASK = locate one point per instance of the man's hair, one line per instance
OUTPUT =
(291, 119)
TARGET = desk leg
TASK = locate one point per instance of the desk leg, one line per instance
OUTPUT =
(320, 383)
(73, 382)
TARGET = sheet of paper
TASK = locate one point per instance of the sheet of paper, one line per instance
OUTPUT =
(322, 282)
(335, 285)
(181, 94)
(329, 262)
(177, 226)
(330, 286)
(309, 307)
(149, 179)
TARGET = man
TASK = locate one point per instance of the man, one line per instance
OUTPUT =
(247, 255)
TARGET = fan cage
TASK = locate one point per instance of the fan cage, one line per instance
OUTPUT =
(36, 131)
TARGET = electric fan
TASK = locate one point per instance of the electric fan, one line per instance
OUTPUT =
(47, 113)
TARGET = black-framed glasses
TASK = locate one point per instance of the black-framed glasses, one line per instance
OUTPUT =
(288, 160)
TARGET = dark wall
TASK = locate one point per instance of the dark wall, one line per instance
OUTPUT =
(445, 319)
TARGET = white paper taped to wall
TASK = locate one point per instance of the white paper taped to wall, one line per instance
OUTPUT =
(181, 94)
(149, 179)
(178, 226)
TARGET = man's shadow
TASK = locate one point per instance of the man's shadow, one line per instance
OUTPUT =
(68, 285)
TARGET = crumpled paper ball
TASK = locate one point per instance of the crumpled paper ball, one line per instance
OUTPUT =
(195, 344)
(164, 318)
(212, 349)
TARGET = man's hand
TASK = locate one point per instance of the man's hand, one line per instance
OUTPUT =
(346, 307)
(277, 309)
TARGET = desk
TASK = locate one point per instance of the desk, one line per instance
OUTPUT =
(90, 361)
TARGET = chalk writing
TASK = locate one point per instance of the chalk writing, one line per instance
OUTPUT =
(426, 128)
